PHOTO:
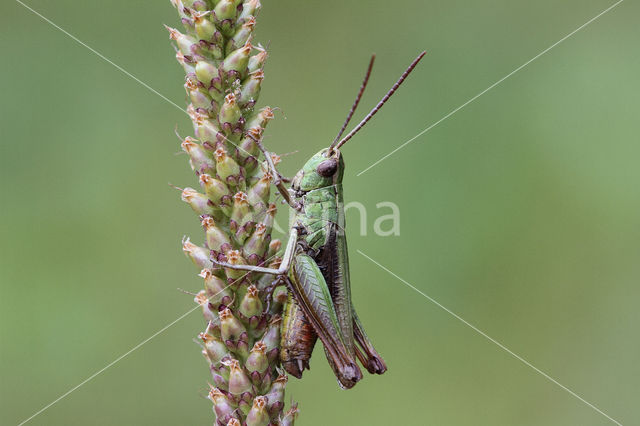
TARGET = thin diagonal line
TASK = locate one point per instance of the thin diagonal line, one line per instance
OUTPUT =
(490, 87)
(102, 56)
(121, 69)
(136, 347)
(88, 379)
(491, 339)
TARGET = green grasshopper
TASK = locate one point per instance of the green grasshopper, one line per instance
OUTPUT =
(315, 263)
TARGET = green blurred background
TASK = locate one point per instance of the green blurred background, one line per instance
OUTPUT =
(520, 212)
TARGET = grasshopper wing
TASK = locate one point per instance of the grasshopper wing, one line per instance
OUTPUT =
(310, 290)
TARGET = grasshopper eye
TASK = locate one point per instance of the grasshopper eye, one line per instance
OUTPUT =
(327, 168)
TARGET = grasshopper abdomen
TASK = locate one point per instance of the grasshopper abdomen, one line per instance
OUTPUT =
(298, 339)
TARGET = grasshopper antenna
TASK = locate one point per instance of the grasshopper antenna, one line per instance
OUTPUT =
(357, 101)
(375, 110)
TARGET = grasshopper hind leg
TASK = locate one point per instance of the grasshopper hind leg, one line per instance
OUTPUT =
(366, 353)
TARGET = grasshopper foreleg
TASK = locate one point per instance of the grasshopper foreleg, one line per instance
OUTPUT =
(278, 182)
(284, 265)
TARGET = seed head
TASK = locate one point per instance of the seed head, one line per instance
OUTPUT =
(224, 75)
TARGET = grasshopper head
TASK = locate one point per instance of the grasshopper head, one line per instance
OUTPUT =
(324, 169)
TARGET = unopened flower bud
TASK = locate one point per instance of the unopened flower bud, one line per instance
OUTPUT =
(271, 337)
(258, 415)
(238, 60)
(257, 360)
(251, 305)
(214, 348)
(183, 41)
(274, 248)
(241, 212)
(186, 62)
(198, 202)
(243, 231)
(222, 406)
(234, 422)
(230, 327)
(206, 72)
(250, 164)
(206, 129)
(250, 90)
(198, 255)
(220, 376)
(276, 392)
(235, 258)
(199, 158)
(225, 165)
(259, 193)
(198, 5)
(270, 217)
(248, 145)
(214, 188)
(206, 48)
(249, 9)
(243, 33)
(204, 27)
(216, 288)
(230, 111)
(290, 416)
(239, 382)
(261, 119)
(217, 239)
(255, 245)
(256, 62)
(225, 9)
(207, 308)
(199, 99)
